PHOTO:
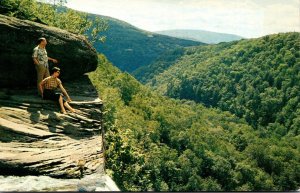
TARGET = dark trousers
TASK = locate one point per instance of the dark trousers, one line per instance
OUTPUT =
(52, 95)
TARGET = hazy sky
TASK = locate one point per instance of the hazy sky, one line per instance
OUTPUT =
(248, 18)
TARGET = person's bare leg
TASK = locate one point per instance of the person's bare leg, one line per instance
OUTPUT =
(62, 108)
(69, 107)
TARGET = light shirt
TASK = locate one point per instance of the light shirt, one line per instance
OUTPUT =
(41, 55)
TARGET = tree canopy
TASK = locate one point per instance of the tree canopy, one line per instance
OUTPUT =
(243, 137)
(163, 144)
(256, 79)
(53, 13)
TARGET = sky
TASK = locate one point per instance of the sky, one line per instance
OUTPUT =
(247, 18)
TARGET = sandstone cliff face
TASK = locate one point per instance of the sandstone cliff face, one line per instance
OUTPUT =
(17, 40)
(35, 139)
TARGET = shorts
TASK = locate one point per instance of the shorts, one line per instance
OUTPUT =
(52, 95)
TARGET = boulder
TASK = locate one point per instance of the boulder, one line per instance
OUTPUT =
(17, 40)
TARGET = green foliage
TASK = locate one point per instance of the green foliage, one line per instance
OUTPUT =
(129, 48)
(162, 144)
(255, 79)
(54, 14)
(147, 72)
(25, 9)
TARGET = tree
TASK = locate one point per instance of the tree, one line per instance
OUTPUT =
(53, 13)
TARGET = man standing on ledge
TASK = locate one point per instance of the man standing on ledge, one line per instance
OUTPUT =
(40, 60)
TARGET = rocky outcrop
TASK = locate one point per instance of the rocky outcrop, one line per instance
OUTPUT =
(17, 40)
(36, 139)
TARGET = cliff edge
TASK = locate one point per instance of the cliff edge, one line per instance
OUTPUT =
(38, 140)
(37, 143)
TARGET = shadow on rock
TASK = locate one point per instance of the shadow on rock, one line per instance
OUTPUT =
(34, 113)
(44, 115)
(76, 132)
(52, 121)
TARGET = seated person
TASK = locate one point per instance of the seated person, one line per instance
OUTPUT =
(48, 89)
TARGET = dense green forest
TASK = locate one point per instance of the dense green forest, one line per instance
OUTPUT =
(129, 47)
(162, 144)
(158, 143)
(56, 15)
(256, 79)
(147, 72)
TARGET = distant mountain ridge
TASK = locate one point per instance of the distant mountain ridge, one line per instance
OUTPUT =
(129, 47)
(200, 35)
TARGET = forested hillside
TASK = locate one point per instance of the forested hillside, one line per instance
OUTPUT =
(256, 79)
(162, 144)
(55, 15)
(129, 47)
(147, 72)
